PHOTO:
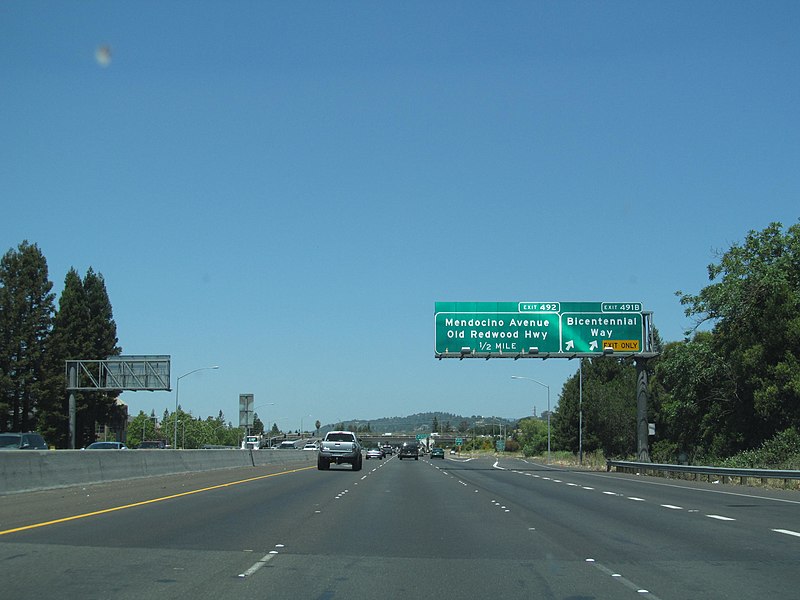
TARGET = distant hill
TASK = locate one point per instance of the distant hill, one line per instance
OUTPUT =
(417, 423)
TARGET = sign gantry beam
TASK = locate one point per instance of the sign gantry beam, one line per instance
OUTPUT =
(542, 330)
(119, 373)
(544, 355)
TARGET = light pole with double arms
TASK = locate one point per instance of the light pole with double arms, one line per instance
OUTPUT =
(177, 389)
(548, 409)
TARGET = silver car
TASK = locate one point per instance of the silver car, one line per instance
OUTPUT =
(374, 453)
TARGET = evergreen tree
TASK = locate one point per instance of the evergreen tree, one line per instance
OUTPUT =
(258, 425)
(66, 344)
(26, 311)
(84, 329)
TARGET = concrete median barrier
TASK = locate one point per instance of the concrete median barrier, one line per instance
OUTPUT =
(30, 470)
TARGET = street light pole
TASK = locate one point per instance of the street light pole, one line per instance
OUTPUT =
(548, 408)
(580, 413)
(177, 389)
(301, 424)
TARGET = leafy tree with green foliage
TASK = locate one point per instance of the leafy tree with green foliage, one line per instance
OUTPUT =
(26, 311)
(699, 394)
(609, 409)
(143, 427)
(532, 436)
(754, 350)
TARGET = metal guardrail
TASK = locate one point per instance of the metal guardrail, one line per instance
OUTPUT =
(724, 472)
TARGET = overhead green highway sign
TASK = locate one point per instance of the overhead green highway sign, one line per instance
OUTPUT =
(541, 329)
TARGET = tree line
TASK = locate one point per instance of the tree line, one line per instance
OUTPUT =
(731, 386)
(36, 338)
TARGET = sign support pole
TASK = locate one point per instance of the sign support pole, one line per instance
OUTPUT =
(73, 382)
(642, 397)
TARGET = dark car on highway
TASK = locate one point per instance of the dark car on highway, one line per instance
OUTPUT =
(22, 441)
(409, 450)
(437, 453)
(152, 445)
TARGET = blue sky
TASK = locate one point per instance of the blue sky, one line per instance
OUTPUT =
(285, 189)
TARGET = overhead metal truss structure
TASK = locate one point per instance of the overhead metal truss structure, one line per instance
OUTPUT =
(120, 373)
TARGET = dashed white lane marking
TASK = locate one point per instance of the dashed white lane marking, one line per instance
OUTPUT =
(635, 499)
(672, 507)
(787, 532)
(720, 518)
(264, 560)
(643, 593)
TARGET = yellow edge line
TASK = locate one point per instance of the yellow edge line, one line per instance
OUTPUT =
(151, 501)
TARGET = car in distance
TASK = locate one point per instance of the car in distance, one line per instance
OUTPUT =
(387, 450)
(22, 441)
(437, 453)
(106, 446)
(409, 450)
(152, 445)
(374, 453)
(310, 446)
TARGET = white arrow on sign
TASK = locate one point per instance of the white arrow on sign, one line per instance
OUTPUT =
(570, 345)
(592, 345)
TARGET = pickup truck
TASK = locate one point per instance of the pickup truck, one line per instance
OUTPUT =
(339, 447)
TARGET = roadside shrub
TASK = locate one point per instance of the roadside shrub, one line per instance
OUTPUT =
(780, 452)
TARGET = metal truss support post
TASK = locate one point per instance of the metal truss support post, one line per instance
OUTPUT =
(73, 382)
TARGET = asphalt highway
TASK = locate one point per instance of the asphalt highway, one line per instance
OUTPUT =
(454, 528)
